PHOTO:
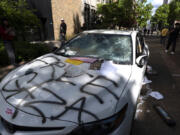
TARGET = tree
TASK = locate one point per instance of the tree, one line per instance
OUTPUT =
(112, 15)
(18, 14)
(124, 13)
(143, 12)
(128, 9)
(109, 15)
(116, 14)
(174, 11)
(166, 14)
(161, 16)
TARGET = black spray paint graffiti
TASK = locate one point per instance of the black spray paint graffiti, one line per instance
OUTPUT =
(82, 89)
(60, 100)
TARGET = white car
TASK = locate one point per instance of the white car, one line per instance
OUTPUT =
(88, 87)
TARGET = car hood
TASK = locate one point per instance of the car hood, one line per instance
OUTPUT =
(54, 88)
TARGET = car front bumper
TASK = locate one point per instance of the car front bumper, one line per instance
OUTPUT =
(4, 130)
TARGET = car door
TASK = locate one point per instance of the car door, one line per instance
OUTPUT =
(137, 71)
(141, 49)
(133, 87)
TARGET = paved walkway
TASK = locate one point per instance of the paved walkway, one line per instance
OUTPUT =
(167, 82)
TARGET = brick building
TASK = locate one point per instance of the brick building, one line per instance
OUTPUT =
(77, 14)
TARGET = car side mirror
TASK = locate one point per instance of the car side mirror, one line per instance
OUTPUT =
(141, 60)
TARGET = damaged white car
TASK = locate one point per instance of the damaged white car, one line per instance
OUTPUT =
(88, 87)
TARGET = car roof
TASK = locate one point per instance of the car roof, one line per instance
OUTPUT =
(122, 32)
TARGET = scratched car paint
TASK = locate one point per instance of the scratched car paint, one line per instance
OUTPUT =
(89, 86)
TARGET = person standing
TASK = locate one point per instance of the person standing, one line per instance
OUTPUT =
(164, 33)
(7, 35)
(173, 34)
(148, 31)
(145, 30)
(152, 30)
(63, 29)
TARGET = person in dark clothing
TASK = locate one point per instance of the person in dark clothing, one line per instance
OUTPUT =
(152, 30)
(63, 29)
(164, 33)
(173, 34)
(7, 35)
(145, 30)
(148, 32)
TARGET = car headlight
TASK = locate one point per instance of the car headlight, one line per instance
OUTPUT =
(102, 127)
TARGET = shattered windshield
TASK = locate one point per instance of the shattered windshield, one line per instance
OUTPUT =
(113, 47)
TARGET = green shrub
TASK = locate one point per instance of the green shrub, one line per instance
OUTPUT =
(19, 15)
(24, 51)
(3, 55)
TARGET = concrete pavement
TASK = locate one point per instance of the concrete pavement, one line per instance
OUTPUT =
(167, 82)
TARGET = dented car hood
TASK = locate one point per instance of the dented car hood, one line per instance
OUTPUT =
(51, 91)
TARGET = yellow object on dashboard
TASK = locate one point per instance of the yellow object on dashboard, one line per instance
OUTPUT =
(74, 62)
